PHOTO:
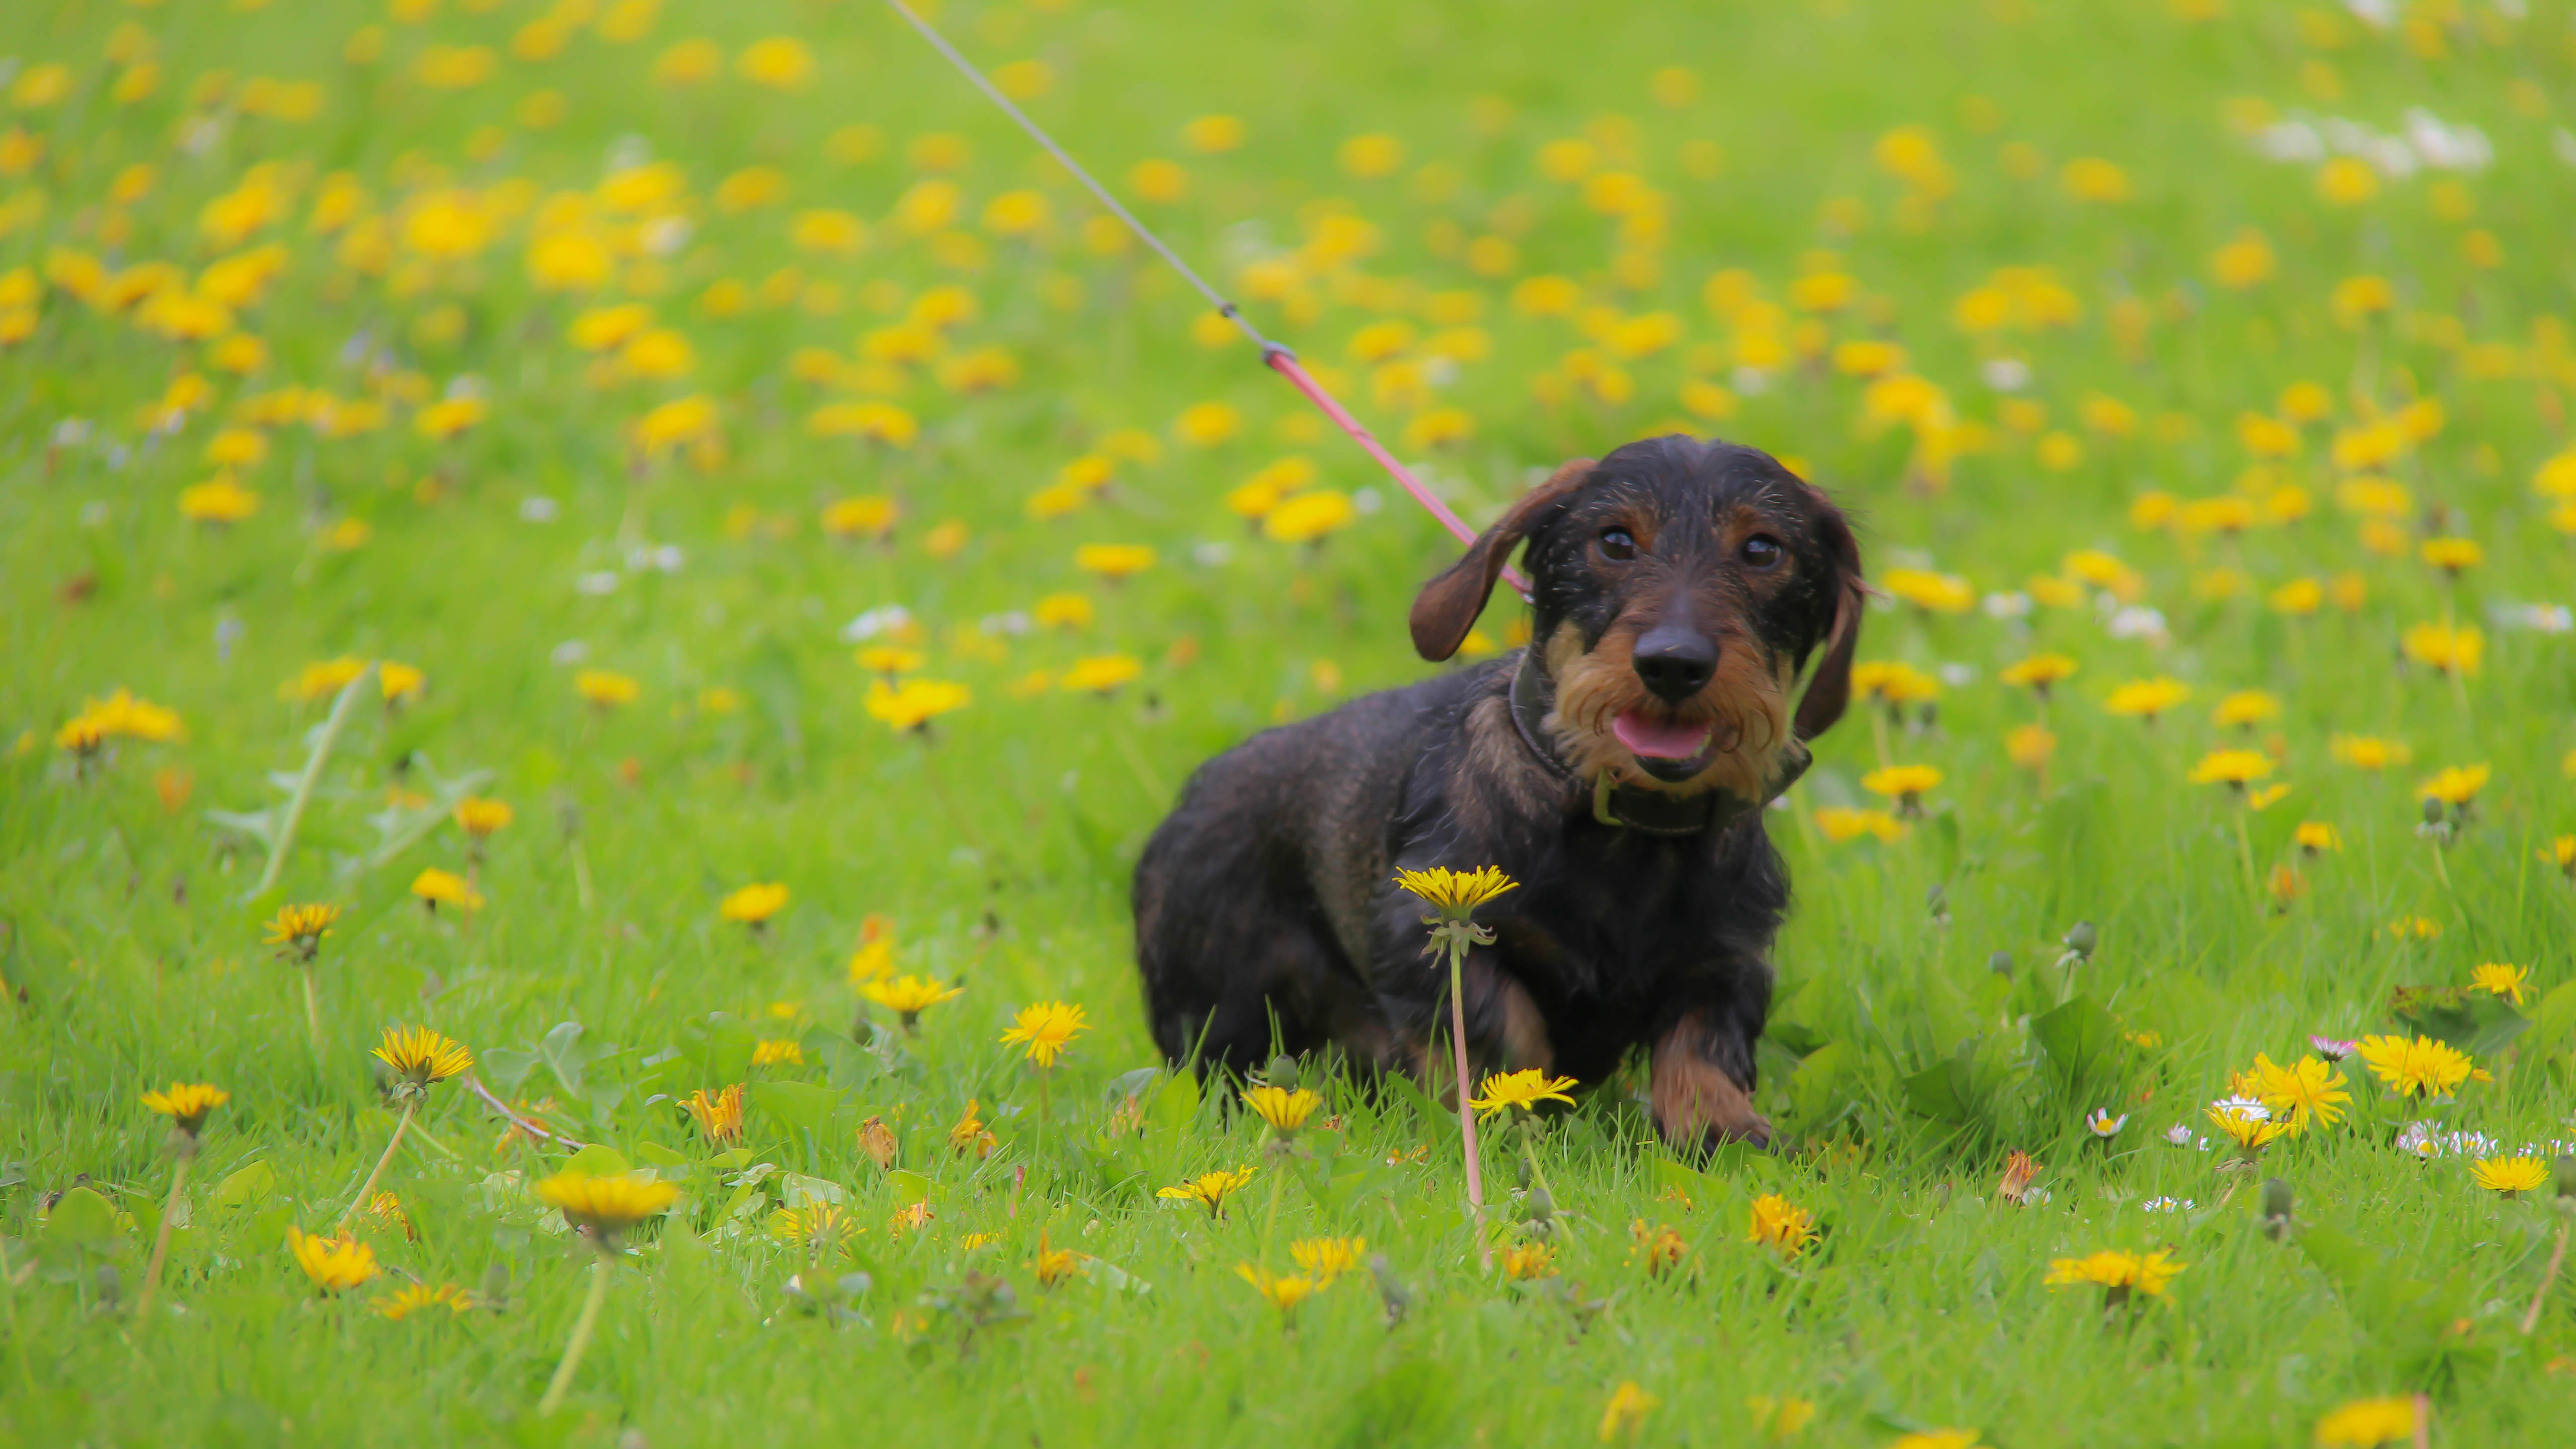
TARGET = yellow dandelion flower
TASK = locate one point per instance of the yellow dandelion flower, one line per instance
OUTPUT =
(2502, 980)
(610, 1204)
(435, 888)
(2147, 698)
(1325, 1259)
(415, 1297)
(1209, 1190)
(1528, 1262)
(1283, 1292)
(1044, 1030)
(2414, 1067)
(1780, 1225)
(1455, 894)
(2307, 1090)
(297, 931)
(1626, 1412)
(719, 1116)
(2039, 671)
(421, 1055)
(186, 1104)
(753, 904)
(2455, 785)
(2367, 1423)
(1284, 1109)
(480, 818)
(335, 1264)
(2509, 1175)
(909, 996)
(2235, 768)
(1522, 1091)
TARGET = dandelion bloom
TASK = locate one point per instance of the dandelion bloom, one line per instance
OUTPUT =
(2451, 650)
(2233, 768)
(754, 904)
(1309, 517)
(2248, 1125)
(297, 931)
(422, 1055)
(1524, 1090)
(1455, 893)
(777, 1052)
(1325, 1259)
(2147, 698)
(2039, 671)
(909, 996)
(1841, 825)
(719, 1117)
(2369, 752)
(1626, 1412)
(1526, 1262)
(1055, 1265)
(2503, 980)
(1285, 1110)
(2366, 1423)
(1931, 592)
(1209, 1190)
(437, 888)
(1044, 1030)
(415, 1297)
(2456, 785)
(1780, 1225)
(2417, 1067)
(2306, 1090)
(1938, 1439)
(2452, 554)
(2509, 1175)
(606, 1205)
(1284, 1293)
(2117, 1272)
(1114, 561)
(335, 1264)
(1101, 673)
(2245, 709)
(917, 702)
(1893, 682)
(1905, 784)
(605, 689)
(186, 1104)
(2030, 746)
(480, 818)
(2316, 837)
(970, 1134)
(1656, 1245)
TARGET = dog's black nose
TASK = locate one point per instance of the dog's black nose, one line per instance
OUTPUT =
(1675, 660)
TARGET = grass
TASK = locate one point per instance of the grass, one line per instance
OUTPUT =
(600, 985)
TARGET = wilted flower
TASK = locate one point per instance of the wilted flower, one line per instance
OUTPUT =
(719, 1117)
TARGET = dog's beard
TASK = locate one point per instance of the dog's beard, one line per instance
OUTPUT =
(1733, 735)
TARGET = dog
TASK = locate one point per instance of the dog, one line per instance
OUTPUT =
(1616, 768)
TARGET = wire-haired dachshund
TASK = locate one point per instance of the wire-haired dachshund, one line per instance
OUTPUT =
(1617, 768)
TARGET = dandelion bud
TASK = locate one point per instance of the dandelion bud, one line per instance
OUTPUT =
(1521, 1171)
(1542, 1206)
(1390, 1289)
(2001, 963)
(1282, 1072)
(2081, 938)
(2276, 1208)
(2432, 811)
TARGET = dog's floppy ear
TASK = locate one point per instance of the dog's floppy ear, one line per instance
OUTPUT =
(1829, 688)
(1448, 605)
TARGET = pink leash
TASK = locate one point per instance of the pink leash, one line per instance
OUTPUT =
(1276, 357)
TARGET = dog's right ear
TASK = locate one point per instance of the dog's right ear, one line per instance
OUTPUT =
(1448, 605)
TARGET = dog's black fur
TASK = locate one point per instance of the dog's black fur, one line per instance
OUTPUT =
(1675, 583)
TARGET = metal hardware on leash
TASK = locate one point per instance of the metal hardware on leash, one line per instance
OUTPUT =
(1274, 356)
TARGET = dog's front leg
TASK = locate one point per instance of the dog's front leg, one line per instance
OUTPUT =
(1702, 1082)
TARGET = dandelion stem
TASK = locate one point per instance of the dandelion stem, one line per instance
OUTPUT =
(312, 1009)
(179, 1182)
(2548, 1275)
(311, 777)
(1270, 1220)
(2245, 852)
(410, 1105)
(1466, 1114)
(582, 1329)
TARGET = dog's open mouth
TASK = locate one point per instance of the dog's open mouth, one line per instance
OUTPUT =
(1672, 750)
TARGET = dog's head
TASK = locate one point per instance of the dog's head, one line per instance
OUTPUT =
(1678, 589)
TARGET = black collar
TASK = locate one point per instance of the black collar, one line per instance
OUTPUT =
(1617, 804)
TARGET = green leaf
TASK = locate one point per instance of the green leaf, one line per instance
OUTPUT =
(504, 1069)
(567, 1057)
(2080, 1038)
(1816, 1089)
(83, 1219)
(803, 1191)
(657, 1155)
(1177, 1105)
(2553, 1025)
(246, 1187)
(909, 1187)
(1946, 1090)
(801, 1105)
(599, 1161)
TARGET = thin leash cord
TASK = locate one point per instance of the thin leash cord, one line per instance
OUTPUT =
(1274, 355)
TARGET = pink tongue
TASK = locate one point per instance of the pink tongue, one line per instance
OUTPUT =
(1645, 737)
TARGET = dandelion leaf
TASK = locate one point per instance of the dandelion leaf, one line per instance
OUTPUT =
(2080, 1038)
(2477, 1022)
(83, 1221)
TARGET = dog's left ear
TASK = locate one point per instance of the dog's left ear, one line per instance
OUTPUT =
(1829, 688)
(1448, 605)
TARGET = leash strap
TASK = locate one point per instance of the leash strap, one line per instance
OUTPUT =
(1274, 355)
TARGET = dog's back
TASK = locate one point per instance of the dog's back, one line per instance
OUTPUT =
(1295, 825)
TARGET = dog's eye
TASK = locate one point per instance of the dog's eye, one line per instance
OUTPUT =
(1618, 543)
(1761, 551)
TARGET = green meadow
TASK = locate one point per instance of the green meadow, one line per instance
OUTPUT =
(707, 554)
